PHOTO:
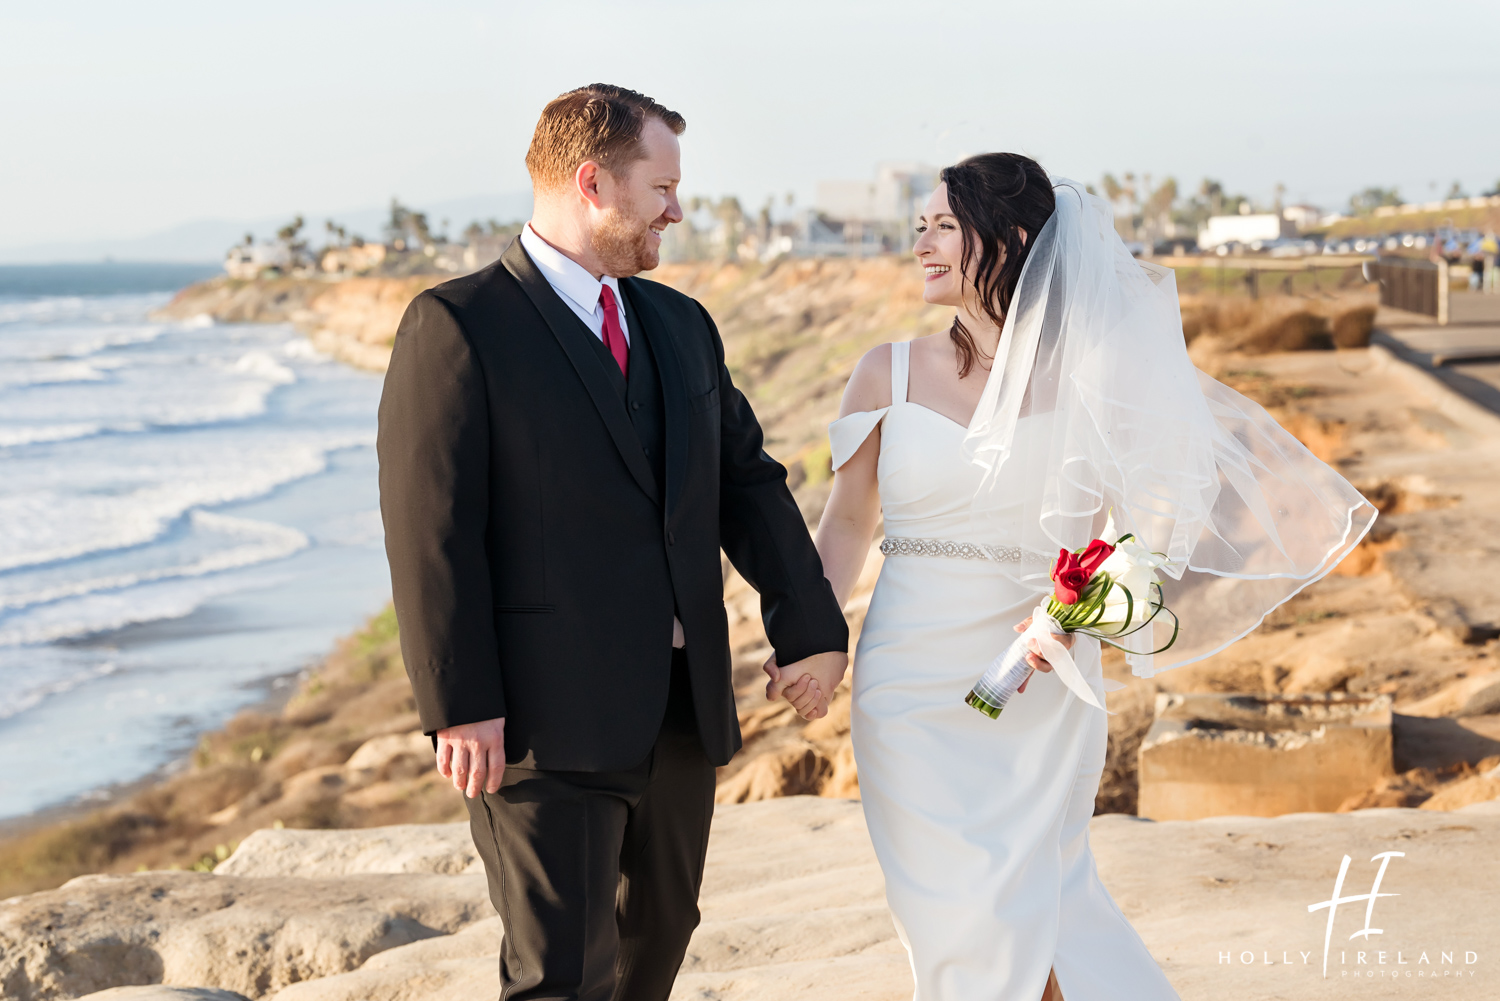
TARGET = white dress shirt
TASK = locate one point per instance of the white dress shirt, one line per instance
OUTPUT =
(578, 288)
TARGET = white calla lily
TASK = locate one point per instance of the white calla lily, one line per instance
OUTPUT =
(1132, 567)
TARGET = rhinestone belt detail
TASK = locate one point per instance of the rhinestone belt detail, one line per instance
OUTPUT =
(952, 550)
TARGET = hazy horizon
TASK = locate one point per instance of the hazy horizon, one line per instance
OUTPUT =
(123, 122)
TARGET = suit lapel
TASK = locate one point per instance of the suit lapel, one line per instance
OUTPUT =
(673, 387)
(569, 332)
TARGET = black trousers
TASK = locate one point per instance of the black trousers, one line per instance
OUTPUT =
(596, 874)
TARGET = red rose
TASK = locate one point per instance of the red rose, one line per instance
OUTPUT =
(1070, 585)
(1070, 576)
(1097, 552)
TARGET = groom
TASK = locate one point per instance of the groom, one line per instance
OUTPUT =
(562, 457)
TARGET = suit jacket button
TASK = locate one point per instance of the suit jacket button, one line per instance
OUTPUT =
(635, 405)
(671, 541)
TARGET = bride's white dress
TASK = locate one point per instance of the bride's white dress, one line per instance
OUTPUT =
(980, 825)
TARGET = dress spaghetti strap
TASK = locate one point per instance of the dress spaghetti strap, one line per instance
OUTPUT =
(900, 370)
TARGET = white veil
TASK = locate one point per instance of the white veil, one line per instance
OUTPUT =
(1094, 406)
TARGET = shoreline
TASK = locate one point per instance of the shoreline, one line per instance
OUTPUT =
(279, 762)
(184, 678)
(279, 689)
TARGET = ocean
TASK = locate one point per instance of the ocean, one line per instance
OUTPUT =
(188, 517)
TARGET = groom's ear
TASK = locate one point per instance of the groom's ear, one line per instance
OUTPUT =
(586, 182)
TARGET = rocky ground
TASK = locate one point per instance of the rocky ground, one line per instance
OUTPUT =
(792, 907)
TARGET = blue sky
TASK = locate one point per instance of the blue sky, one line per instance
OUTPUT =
(123, 119)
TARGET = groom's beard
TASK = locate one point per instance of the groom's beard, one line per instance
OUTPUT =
(625, 245)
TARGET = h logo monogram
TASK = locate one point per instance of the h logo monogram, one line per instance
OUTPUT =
(1333, 903)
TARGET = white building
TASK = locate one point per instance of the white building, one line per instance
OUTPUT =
(888, 205)
(1222, 229)
(1302, 216)
(248, 262)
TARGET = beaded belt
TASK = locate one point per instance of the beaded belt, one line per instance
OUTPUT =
(952, 550)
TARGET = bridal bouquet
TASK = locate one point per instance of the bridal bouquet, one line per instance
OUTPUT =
(1104, 590)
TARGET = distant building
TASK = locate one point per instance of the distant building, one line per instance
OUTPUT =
(353, 260)
(1222, 229)
(486, 249)
(1303, 217)
(250, 260)
(878, 214)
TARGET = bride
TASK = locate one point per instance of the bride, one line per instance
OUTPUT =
(1061, 394)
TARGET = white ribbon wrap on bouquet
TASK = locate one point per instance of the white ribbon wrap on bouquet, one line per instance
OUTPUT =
(1009, 670)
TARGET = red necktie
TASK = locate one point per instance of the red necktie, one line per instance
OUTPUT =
(614, 337)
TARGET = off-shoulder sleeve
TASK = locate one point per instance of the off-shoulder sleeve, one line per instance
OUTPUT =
(846, 434)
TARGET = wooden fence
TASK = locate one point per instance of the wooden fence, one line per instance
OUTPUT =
(1416, 286)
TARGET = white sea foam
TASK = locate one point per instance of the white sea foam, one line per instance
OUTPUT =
(264, 542)
(260, 365)
(39, 433)
(106, 611)
(47, 373)
(44, 343)
(302, 349)
(45, 524)
(65, 674)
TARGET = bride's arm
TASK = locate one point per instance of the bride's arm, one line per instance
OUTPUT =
(844, 533)
(853, 510)
(849, 520)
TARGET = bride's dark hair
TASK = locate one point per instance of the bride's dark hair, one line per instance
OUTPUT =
(994, 196)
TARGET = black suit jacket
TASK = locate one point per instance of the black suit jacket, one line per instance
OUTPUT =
(537, 561)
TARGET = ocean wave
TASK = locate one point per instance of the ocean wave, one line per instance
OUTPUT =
(15, 374)
(100, 512)
(260, 365)
(266, 542)
(72, 308)
(107, 611)
(141, 396)
(72, 342)
(33, 686)
(37, 434)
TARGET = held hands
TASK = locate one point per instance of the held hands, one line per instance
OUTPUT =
(1034, 658)
(807, 684)
(472, 755)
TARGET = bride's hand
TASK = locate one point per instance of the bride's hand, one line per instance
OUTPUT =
(801, 690)
(1035, 658)
(809, 683)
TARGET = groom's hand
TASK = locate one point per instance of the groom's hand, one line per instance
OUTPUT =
(472, 755)
(808, 684)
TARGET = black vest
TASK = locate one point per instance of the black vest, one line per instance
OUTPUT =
(642, 396)
(641, 393)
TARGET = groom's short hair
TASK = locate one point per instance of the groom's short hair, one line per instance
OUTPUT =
(598, 122)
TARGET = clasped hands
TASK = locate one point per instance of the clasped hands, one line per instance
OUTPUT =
(808, 684)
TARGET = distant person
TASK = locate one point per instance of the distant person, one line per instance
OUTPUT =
(562, 457)
(981, 455)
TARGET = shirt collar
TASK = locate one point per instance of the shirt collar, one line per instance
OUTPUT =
(565, 274)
